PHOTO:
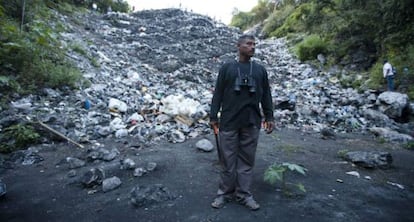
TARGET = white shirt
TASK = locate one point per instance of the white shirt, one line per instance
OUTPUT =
(387, 69)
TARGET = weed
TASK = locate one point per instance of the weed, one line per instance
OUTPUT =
(409, 145)
(18, 136)
(277, 173)
(342, 153)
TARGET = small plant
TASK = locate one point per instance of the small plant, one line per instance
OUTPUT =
(290, 148)
(342, 153)
(409, 145)
(382, 140)
(277, 173)
(18, 136)
(76, 47)
(310, 47)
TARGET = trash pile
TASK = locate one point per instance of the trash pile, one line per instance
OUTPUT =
(153, 73)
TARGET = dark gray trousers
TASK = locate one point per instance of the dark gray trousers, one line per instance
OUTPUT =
(238, 153)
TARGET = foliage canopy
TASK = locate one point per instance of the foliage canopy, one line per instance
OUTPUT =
(371, 29)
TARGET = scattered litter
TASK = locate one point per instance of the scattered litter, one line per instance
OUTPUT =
(367, 177)
(396, 184)
(353, 173)
(339, 181)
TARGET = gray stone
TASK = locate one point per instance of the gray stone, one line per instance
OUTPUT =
(144, 196)
(205, 145)
(111, 184)
(74, 162)
(93, 177)
(371, 159)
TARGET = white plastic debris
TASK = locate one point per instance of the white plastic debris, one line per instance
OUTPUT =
(353, 173)
(396, 184)
(117, 105)
(117, 124)
(136, 117)
(178, 105)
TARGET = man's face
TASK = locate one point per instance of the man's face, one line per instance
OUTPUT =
(246, 47)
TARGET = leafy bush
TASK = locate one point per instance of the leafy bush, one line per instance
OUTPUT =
(409, 145)
(260, 12)
(310, 47)
(18, 136)
(276, 20)
(295, 22)
(242, 20)
(32, 58)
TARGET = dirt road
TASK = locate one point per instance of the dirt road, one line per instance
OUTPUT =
(45, 192)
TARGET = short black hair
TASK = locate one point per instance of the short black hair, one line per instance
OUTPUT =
(243, 37)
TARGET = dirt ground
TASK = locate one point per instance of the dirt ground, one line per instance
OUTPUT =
(44, 192)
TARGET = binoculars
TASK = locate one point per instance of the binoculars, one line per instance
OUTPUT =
(246, 81)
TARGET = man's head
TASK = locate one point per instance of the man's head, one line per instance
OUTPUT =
(246, 45)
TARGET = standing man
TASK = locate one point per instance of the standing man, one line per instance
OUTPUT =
(388, 75)
(241, 87)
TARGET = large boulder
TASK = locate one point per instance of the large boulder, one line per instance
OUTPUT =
(395, 105)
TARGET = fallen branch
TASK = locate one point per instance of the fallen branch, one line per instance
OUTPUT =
(60, 134)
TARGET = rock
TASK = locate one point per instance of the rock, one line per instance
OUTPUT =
(144, 196)
(176, 136)
(151, 166)
(93, 177)
(371, 159)
(121, 133)
(101, 153)
(139, 171)
(128, 164)
(26, 157)
(205, 145)
(328, 133)
(393, 104)
(74, 162)
(391, 135)
(111, 183)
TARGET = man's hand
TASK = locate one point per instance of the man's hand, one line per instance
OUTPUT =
(215, 126)
(268, 126)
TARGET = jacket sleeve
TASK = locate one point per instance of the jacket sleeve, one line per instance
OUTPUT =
(267, 103)
(218, 94)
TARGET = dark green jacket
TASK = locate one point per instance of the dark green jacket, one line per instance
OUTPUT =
(241, 108)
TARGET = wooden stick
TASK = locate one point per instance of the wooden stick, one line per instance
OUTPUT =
(59, 134)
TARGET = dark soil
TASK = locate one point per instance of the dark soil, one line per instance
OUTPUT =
(44, 192)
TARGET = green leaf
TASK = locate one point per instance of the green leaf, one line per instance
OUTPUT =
(295, 168)
(274, 173)
(301, 187)
(4, 80)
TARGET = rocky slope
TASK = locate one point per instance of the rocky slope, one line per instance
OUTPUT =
(152, 73)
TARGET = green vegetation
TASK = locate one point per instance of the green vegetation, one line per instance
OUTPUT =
(278, 173)
(19, 136)
(31, 54)
(289, 148)
(342, 153)
(409, 145)
(345, 31)
(310, 47)
(259, 13)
